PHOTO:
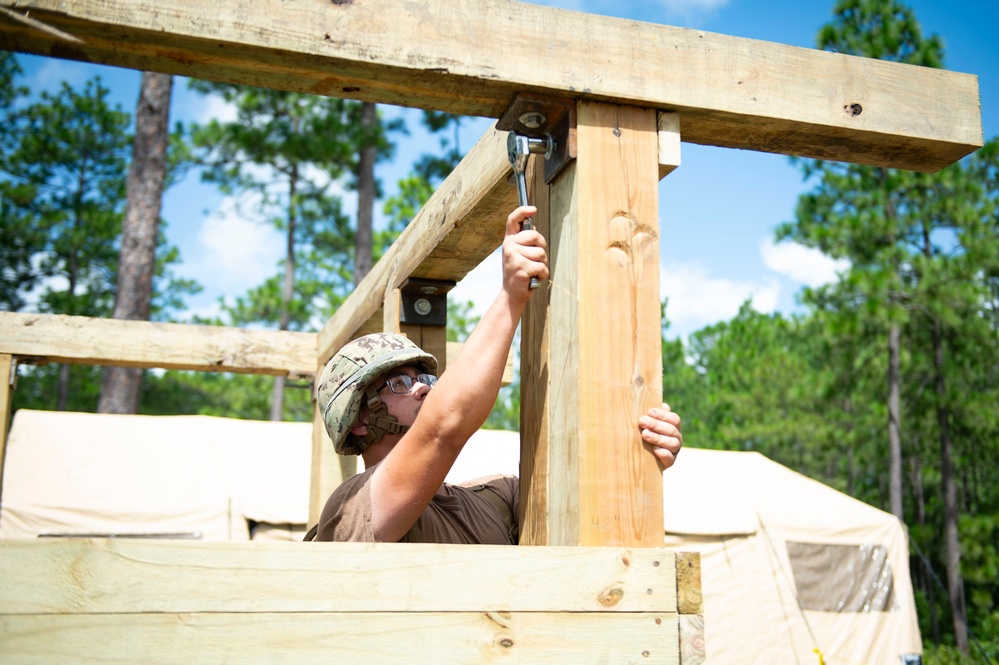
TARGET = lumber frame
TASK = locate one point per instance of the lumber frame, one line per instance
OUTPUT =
(73, 600)
(84, 340)
(8, 374)
(731, 92)
(591, 345)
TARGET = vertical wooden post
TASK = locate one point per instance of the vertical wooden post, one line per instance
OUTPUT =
(594, 365)
(7, 368)
(328, 469)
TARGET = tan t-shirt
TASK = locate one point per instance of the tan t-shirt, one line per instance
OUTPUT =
(456, 514)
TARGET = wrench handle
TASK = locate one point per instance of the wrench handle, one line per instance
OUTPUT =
(527, 224)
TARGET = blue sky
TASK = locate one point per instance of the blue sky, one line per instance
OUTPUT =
(718, 210)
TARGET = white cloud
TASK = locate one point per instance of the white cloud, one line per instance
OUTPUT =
(212, 107)
(802, 264)
(238, 252)
(697, 299)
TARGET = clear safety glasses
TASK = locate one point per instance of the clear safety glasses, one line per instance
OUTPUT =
(403, 383)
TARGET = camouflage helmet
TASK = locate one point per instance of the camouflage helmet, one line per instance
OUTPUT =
(345, 379)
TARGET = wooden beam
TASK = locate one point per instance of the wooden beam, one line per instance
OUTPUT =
(730, 91)
(119, 600)
(8, 369)
(461, 225)
(595, 366)
(71, 575)
(87, 341)
(669, 143)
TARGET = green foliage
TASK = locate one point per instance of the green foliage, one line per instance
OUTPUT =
(242, 396)
(62, 190)
(38, 388)
(290, 151)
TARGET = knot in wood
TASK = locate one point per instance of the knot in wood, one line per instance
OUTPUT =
(611, 597)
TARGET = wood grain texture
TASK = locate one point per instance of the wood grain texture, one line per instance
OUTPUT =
(361, 638)
(89, 341)
(620, 353)
(595, 364)
(7, 368)
(72, 576)
(688, 583)
(133, 601)
(730, 91)
(535, 345)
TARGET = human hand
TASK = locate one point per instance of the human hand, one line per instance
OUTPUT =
(661, 431)
(524, 255)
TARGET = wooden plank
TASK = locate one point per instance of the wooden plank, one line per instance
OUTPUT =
(461, 225)
(8, 367)
(669, 143)
(116, 342)
(730, 91)
(432, 339)
(688, 583)
(535, 345)
(327, 469)
(70, 576)
(604, 365)
(382, 638)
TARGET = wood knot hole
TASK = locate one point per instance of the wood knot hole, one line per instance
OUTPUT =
(854, 109)
(611, 597)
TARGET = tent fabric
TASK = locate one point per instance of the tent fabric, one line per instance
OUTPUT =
(773, 543)
(85, 473)
(748, 516)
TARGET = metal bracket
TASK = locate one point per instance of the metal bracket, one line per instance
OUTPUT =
(550, 118)
(424, 301)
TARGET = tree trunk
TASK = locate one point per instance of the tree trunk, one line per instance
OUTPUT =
(952, 544)
(121, 386)
(287, 289)
(894, 424)
(363, 249)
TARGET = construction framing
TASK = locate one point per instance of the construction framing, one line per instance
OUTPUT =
(600, 589)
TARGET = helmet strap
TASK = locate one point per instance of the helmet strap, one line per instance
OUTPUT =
(380, 421)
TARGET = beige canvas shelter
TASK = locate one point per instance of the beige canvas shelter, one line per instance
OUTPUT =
(789, 565)
(177, 477)
(193, 477)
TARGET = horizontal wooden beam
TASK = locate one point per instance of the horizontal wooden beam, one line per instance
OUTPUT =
(382, 638)
(473, 56)
(89, 341)
(462, 224)
(73, 576)
(104, 601)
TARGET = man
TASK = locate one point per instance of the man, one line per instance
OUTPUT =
(380, 398)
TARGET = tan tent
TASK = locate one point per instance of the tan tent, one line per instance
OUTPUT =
(176, 476)
(157, 476)
(791, 568)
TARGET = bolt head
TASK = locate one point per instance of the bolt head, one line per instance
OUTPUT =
(532, 120)
(422, 306)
